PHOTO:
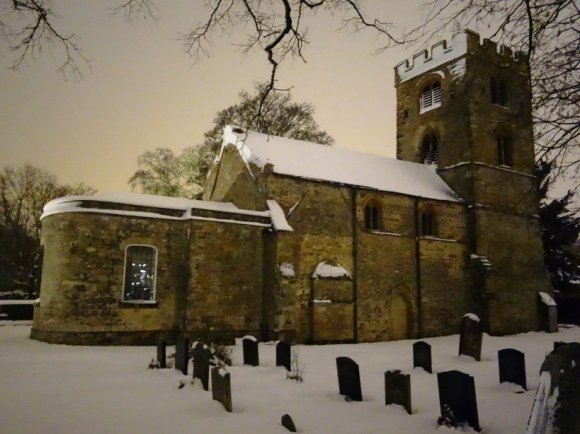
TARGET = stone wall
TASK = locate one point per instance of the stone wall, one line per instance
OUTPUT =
(224, 295)
(83, 268)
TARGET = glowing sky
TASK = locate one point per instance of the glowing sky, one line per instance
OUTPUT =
(144, 92)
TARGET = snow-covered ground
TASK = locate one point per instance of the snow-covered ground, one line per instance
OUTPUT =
(71, 389)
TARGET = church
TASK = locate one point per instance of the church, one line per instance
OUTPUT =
(315, 244)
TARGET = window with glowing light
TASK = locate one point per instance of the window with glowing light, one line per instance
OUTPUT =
(140, 269)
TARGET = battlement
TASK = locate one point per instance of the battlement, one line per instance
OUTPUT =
(442, 52)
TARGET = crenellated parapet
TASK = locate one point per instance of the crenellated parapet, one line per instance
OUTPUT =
(443, 52)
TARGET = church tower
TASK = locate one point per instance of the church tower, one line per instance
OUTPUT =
(465, 109)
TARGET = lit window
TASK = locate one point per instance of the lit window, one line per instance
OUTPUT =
(429, 149)
(430, 97)
(140, 268)
(428, 222)
(504, 151)
(372, 216)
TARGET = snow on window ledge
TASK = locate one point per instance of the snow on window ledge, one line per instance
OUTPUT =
(140, 303)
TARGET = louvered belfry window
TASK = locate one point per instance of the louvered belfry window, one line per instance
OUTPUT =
(429, 149)
(431, 97)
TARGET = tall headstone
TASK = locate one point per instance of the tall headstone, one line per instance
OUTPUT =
(422, 356)
(284, 355)
(162, 354)
(512, 367)
(221, 388)
(348, 378)
(398, 389)
(182, 354)
(201, 358)
(250, 347)
(471, 335)
(457, 401)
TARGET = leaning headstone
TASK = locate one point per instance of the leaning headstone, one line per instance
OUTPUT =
(283, 355)
(457, 400)
(221, 388)
(162, 354)
(398, 389)
(201, 358)
(557, 400)
(422, 356)
(512, 367)
(182, 354)
(288, 423)
(348, 379)
(471, 335)
(250, 347)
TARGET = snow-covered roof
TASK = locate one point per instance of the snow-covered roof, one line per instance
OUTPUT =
(324, 163)
(326, 270)
(149, 202)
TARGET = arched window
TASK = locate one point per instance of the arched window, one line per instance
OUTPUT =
(140, 271)
(372, 216)
(504, 150)
(429, 149)
(430, 97)
(498, 92)
(428, 222)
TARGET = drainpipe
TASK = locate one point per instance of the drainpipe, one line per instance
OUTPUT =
(354, 266)
(418, 269)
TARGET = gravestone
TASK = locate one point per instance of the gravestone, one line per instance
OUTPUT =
(348, 378)
(558, 344)
(283, 355)
(557, 400)
(548, 312)
(471, 336)
(162, 354)
(457, 401)
(288, 423)
(250, 347)
(422, 356)
(221, 387)
(201, 358)
(182, 354)
(512, 367)
(398, 389)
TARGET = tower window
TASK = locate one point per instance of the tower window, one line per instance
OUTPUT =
(504, 150)
(429, 149)
(372, 216)
(428, 222)
(498, 90)
(430, 97)
(140, 269)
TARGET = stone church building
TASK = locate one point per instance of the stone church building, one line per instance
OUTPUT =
(314, 244)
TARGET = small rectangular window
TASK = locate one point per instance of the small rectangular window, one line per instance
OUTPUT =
(140, 270)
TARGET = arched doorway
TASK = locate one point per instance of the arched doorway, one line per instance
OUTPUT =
(398, 318)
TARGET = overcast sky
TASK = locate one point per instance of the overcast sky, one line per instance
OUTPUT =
(144, 92)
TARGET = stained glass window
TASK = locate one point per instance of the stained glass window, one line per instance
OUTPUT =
(140, 264)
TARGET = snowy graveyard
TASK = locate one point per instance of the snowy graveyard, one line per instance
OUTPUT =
(72, 389)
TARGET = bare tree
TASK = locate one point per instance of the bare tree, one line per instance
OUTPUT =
(162, 172)
(23, 193)
(547, 32)
(28, 25)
